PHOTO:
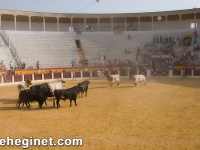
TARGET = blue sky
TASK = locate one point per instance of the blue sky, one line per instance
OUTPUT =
(101, 7)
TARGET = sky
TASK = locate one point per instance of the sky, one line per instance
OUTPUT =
(101, 7)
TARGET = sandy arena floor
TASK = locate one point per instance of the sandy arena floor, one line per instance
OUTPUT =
(164, 114)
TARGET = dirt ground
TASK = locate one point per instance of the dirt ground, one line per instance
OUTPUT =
(164, 114)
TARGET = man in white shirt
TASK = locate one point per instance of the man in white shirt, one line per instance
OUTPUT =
(11, 67)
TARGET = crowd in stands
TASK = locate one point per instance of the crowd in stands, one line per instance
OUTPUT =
(89, 28)
(102, 61)
(76, 63)
(116, 27)
(189, 57)
(77, 29)
(164, 49)
(133, 27)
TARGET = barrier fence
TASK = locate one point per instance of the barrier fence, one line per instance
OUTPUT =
(93, 75)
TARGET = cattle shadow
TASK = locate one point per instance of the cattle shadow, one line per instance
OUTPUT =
(98, 87)
(8, 101)
(8, 108)
(36, 108)
(129, 86)
(27, 109)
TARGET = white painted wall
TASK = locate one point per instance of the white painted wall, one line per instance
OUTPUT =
(159, 25)
(145, 26)
(173, 24)
(105, 26)
(51, 27)
(37, 26)
(185, 24)
(64, 27)
(7, 25)
(22, 26)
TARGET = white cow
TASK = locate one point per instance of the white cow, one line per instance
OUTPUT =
(138, 78)
(56, 86)
(113, 78)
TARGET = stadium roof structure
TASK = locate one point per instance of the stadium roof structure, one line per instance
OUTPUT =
(98, 6)
(22, 16)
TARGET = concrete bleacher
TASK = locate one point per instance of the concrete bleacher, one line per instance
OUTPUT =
(57, 49)
(5, 54)
(51, 49)
(107, 43)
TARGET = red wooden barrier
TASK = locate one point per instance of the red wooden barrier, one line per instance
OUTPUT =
(177, 72)
(8, 79)
(37, 76)
(28, 76)
(94, 74)
(86, 74)
(48, 76)
(67, 75)
(196, 72)
(57, 75)
(17, 78)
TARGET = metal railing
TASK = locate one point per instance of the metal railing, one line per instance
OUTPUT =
(11, 47)
(4, 36)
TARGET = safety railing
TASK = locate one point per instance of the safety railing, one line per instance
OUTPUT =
(11, 47)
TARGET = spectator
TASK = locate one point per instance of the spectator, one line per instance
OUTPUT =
(98, 74)
(99, 55)
(183, 73)
(4, 73)
(11, 67)
(87, 27)
(104, 57)
(129, 37)
(2, 65)
(138, 45)
(102, 73)
(91, 28)
(73, 63)
(195, 33)
(86, 70)
(38, 65)
(95, 62)
(23, 65)
(74, 75)
(192, 55)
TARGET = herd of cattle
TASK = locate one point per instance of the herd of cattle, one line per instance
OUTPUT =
(39, 93)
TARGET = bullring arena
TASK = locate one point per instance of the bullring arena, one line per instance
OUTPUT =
(164, 114)
(45, 47)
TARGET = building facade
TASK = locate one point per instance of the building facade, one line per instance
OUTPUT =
(59, 22)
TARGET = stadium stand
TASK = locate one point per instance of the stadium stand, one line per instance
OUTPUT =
(57, 49)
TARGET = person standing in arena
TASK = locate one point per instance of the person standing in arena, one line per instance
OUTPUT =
(38, 65)
(73, 75)
(183, 73)
(11, 67)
